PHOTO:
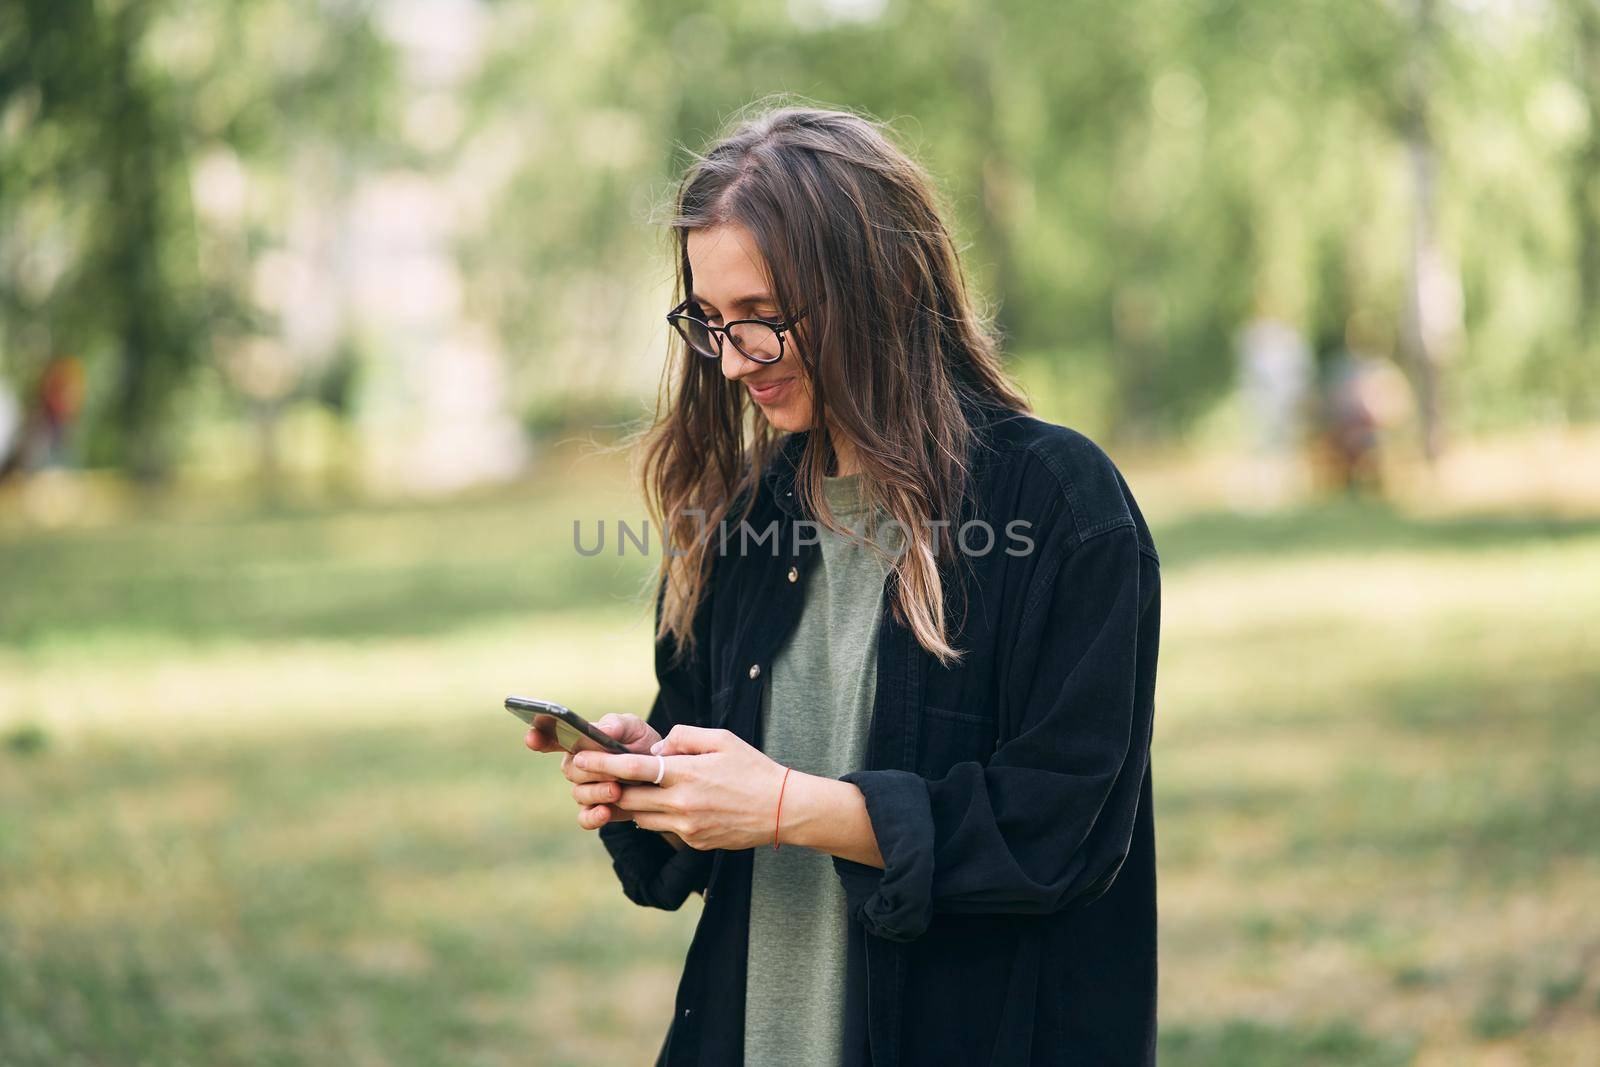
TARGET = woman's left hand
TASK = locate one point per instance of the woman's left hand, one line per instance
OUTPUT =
(717, 790)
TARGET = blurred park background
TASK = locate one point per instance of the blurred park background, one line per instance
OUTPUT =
(319, 320)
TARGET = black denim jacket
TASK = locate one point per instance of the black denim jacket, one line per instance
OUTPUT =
(1014, 921)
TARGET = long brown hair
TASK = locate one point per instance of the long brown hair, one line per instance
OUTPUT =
(851, 231)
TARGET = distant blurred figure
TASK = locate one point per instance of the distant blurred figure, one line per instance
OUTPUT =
(1356, 408)
(42, 439)
(1275, 378)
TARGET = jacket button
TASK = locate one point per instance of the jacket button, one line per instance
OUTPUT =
(755, 670)
(686, 1012)
(794, 574)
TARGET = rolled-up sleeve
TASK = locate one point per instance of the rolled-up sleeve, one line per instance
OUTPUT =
(652, 872)
(1045, 824)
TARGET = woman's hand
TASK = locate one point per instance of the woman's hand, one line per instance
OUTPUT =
(717, 790)
(594, 791)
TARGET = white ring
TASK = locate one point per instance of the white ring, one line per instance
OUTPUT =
(661, 768)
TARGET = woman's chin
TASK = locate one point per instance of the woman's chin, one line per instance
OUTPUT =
(785, 417)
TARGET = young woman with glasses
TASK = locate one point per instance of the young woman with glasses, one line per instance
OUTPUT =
(906, 648)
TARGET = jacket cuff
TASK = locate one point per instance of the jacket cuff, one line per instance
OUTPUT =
(653, 873)
(894, 903)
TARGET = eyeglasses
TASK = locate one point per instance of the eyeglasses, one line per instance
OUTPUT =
(760, 340)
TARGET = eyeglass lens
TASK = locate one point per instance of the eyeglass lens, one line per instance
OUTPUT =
(755, 340)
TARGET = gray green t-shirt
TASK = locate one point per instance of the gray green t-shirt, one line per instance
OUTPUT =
(815, 713)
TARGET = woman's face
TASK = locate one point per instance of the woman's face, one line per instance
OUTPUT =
(730, 282)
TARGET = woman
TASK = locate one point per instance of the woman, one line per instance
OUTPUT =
(906, 649)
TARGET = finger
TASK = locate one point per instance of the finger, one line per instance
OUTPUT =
(691, 740)
(600, 814)
(540, 741)
(575, 773)
(625, 728)
(657, 820)
(634, 767)
(596, 793)
(647, 798)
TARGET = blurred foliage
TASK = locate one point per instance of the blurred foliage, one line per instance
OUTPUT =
(1132, 182)
(105, 108)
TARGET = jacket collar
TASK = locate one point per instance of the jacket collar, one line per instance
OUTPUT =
(782, 470)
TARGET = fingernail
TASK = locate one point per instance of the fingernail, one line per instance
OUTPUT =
(655, 749)
(581, 762)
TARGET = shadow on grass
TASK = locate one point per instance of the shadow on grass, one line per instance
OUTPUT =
(1259, 1045)
(1502, 799)
(354, 574)
(1550, 703)
(250, 602)
(1495, 832)
(1347, 526)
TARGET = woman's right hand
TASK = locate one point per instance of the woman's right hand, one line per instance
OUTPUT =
(592, 790)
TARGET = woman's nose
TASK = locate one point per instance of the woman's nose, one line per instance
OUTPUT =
(735, 364)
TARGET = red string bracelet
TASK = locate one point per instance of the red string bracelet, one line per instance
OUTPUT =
(777, 819)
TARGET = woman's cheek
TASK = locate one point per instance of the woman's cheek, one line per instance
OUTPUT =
(794, 416)
(795, 413)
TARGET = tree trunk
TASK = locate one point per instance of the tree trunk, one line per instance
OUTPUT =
(1433, 303)
(1580, 398)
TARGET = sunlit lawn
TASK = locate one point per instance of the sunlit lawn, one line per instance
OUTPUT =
(258, 803)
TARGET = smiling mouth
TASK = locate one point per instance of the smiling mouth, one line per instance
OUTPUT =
(768, 390)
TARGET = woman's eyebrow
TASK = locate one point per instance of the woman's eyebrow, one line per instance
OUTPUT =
(743, 301)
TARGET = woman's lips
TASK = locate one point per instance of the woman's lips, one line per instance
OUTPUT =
(766, 394)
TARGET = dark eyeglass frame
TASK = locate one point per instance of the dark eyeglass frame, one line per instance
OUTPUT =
(679, 317)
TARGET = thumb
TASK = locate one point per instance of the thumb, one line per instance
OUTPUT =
(691, 740)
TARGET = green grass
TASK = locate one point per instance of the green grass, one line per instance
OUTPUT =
(258, 804)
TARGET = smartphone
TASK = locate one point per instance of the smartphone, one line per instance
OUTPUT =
(571, 731)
